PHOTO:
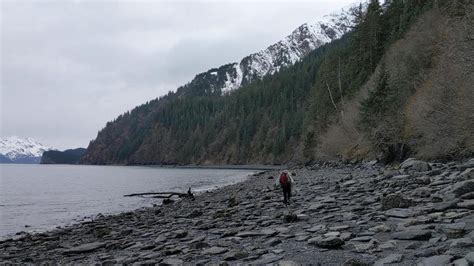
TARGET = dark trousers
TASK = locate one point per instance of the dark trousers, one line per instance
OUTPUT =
(286, 193)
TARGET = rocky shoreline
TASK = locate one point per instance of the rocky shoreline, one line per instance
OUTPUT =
(416, 213)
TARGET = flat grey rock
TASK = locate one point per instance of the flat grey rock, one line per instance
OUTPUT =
(466, 204)
(235, 255)
(316, 228)
(266, 259)
(460, 262)
(400, 213)
(446, 205)
(272, 242)
(470, 257)
(330, 242)
(390, 259)
(412, 235)
(440, 260)
(268, 232)
(461, 188)
(249, 234)
(172, 261)
(84, 248)
(214, 251)
(362, 238)
(464, 242)
(315, 206)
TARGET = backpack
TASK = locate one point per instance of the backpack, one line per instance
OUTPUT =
(284, 180)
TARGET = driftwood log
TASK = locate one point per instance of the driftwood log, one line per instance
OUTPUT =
(161, 195)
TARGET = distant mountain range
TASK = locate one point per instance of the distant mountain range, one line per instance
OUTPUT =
(21, 150)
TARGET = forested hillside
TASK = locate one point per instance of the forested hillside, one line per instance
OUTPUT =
(398, 84)
(71, 156)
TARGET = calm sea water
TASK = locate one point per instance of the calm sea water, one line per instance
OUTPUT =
(41, 197)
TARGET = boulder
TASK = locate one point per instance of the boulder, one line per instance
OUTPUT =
(290, 218)
(455, 230)
(195, 213)
(180, 233)
(415, 165)
(199, 245)
(395, 201)
(422, 192)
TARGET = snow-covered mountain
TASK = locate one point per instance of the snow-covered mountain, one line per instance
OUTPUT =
(286, 52)
(21, 150)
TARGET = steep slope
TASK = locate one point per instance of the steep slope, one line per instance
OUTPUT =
(281, 117)
(418, 102)
(21, 150)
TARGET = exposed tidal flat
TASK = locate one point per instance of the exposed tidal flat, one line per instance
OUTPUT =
(415, 213)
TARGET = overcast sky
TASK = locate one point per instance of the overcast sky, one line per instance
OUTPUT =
(68, 67)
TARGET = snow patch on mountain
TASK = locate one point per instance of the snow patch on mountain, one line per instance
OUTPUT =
(291, 49)
(286, 52)
(22, 149)
(234, 81)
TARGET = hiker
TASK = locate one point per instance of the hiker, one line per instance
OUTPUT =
(286, 182)
(190, 194)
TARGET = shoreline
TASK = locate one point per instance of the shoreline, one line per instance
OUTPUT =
(64, 222)
(227, 166)
(344, 213)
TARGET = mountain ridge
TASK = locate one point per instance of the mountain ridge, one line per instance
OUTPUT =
(21, 150)
(286, 52)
